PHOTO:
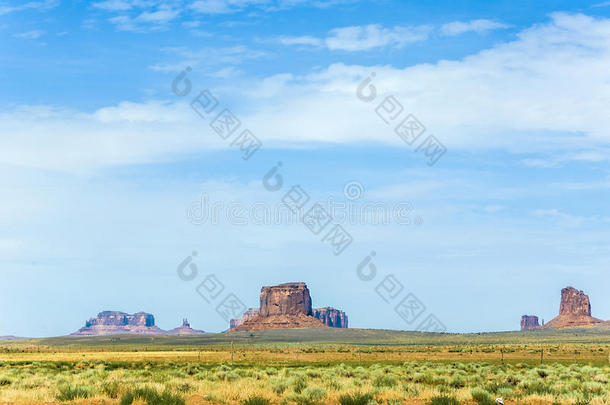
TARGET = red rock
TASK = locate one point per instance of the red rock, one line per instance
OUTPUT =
(249, 314)
(115, 322)
(282, 306)
(529, 322)
(185, 329)
(574, 311)
(285, 299)
(331, 317)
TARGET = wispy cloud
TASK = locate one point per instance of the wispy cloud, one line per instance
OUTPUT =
(32, 5)
(233, 55)
(363, 38)
(358, 38)
(302, 40)
(114, 5)
(478, 26)
(234, 6)
(33, 34)
(602, 4)
(512, 97)
(375, 36)
(565, 219)
(147, 20)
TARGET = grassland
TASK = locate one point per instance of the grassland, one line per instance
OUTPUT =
(307, 367)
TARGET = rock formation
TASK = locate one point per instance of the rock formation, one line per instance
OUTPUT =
(285, 299)
(529, 322)
(249, 314)
(185, 329)
(574, 311)
(114, 322)
(331, 317)
(281, 306)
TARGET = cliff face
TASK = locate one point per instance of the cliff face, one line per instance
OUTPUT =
(281, 306)
(574, 311)
(285, 299)
(115, 322)
(249, 314)
(574, 302)
(529, 322)
(331, 317)
(115, 318)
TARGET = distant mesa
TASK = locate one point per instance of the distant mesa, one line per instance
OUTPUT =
(185, 329)
(249, 314)
(529, 322)
(287, 306)
(331, 317)
(574, 311)
(115, 322)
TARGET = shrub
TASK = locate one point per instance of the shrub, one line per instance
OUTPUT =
(69, 393)
(504, 392)
(482, 397)
(355, 399)
(151, 397)
(127, 398)
(299, 384)
(112, 389)
(457, 382)
(443, 400)
(256, 400)
(278, 386)
(5, 381)
(314, 393)
(185, 387)
(386, 380)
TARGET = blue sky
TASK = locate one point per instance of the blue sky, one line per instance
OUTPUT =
(102, 161)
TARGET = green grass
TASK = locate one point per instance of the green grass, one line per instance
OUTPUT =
(151, 397)
(482, 397)
(321, 336)
(167, 382)
(356, 399)
(443, 400)
(256, 400)
(70, 393)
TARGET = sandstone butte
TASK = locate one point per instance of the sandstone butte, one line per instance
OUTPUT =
(574, 311)
(115, 322)
(529, 322)
(185, 329)
(288, 306)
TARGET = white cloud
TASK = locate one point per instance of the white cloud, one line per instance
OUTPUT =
(359, 38)
(113, 5)
(226, 73)
(302, 40)
(206, 57)
(362, 38)
(565, 219)
(514, 96)
(147, 20)
(221, 6)
(602, 4)
(544, 93)
(33, 34)
(32, 5)
(478, 26)
(234, 6)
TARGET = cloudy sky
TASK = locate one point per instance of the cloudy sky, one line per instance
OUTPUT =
(107, 166)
